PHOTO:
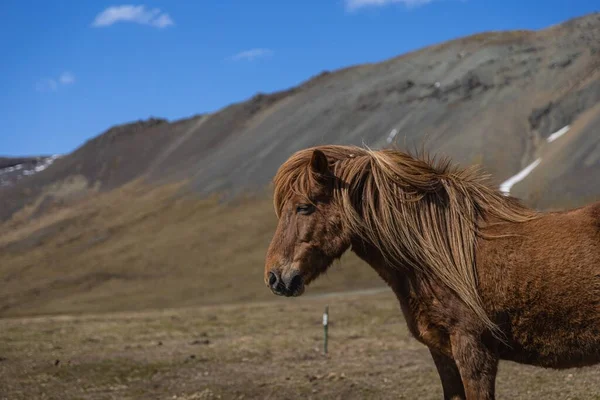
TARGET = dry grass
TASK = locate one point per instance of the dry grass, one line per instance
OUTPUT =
(139, 248)
(261, 350)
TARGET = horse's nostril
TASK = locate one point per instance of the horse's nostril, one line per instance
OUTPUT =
(296, 283)
(273, 279)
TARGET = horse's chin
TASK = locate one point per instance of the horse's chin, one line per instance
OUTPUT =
(308, 279)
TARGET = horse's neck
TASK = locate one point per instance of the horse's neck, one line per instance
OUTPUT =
(417, 295)
(405, 283)
(393, 276)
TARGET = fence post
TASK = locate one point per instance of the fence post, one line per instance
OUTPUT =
(325, 326)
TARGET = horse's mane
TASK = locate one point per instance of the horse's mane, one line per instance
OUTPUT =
(419, 212)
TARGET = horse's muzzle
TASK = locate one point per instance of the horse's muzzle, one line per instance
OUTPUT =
(290, 286)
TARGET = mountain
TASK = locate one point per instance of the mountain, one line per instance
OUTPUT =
(523, 104)
(13, 169)
(492, 98)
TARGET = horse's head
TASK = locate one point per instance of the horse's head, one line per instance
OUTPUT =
(310, 234)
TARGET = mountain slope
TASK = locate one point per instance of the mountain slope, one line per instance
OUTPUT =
(13, 169)
(490, 98)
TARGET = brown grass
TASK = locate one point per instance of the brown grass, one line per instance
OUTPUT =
(138, 248)
(267, 350)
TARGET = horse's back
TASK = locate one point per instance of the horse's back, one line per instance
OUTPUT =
(544, 285)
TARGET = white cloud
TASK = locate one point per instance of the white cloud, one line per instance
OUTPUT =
(135, 14)
(356, 4)
(66, 78)
(52, 84)
(251, 54)
(163, 21)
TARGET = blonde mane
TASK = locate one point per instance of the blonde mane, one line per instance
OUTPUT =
(417, 211)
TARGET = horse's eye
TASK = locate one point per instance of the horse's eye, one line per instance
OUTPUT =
(305, 209)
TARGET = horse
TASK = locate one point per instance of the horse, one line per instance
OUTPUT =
(479, 276)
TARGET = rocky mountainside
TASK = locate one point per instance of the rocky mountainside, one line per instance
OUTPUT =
(13, 169)
(492, 98)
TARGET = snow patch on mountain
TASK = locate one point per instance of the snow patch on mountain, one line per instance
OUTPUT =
(11, 175)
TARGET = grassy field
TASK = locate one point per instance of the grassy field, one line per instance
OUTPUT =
(267, 350)
(141, 248)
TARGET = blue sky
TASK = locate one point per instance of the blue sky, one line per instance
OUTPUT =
(71, 69)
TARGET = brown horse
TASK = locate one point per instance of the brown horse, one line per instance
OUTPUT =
(479, 276)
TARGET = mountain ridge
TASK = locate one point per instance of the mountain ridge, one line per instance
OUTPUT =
(454, 94)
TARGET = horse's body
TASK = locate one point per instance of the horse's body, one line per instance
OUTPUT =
(479, 277)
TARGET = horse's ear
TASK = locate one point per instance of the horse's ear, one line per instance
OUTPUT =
(319, 163)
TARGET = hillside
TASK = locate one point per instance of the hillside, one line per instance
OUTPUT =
(144, 248)
(129, 219)
(13, 169)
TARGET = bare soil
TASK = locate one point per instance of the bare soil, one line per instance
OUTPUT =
(268, 350)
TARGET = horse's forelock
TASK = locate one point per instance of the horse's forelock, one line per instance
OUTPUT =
(296, 177)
